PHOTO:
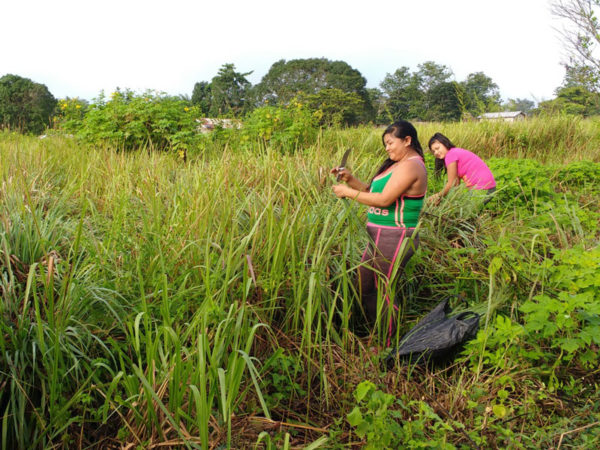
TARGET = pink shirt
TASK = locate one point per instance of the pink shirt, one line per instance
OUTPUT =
(471, 168)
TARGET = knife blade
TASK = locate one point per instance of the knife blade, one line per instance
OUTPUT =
(343, 163)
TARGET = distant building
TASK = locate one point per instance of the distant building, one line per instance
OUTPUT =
(208, 124)
(506, 116)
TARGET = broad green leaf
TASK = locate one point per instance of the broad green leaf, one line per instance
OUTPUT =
(499, 411)
(355, 417)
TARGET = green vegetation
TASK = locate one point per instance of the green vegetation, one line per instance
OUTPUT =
(147, 300)
(333, 91)
(128, 120)
(24, 105)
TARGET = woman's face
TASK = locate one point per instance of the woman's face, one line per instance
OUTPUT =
(396, 147)
(439, 150)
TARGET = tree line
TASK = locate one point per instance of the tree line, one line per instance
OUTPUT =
(429, 93)
(339, 93)
(333, 88)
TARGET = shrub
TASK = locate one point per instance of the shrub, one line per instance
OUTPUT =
(285, 127)
(70, 114)
(131, 121)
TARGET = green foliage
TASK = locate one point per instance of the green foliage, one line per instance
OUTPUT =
(428, 94)
(580, 174)
(279, 384)
(430, 74)
(71, 112)
(519, 104)
(373, 419)
(128, 120)
(568, 322)
(444, 102)
(25, 105)
(286, 80)
(581, 37)
(51, 308)
(481, 94)
(403, 94)
(573, 100)
(383, 427)
(229, 91)
(546, 139)
(185, 302)
(201, 97)
(286, 128)
(496, 345)
(556, 330)
(522, 181)
(378, 101)
(333, 106)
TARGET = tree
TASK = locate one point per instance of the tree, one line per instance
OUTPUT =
(431, 74)
(428, 76)
(444, 103)
(581, 38)
(403, 94)
(25, 105)
(228, 92)
(519, 104)
(480, 94)
(583, 76)
(377, 99)
(285, 80)
(426, 94)
(576, 100)
(201, 96)
(577, 95)
(429, 93)
(335, 106)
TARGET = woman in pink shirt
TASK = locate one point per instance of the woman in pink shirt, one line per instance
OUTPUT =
(460, 164)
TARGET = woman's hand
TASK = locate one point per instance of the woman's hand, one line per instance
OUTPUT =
(435, 199)
(341, 190)
(342, 174)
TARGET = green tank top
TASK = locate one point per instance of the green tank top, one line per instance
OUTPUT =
(404, 212)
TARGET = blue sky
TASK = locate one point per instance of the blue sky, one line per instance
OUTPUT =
(78, 48)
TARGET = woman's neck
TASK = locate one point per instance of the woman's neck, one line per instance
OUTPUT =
(410, 153)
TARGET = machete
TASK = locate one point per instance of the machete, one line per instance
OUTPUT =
(342, 165)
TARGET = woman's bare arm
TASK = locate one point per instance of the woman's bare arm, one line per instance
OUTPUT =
(453, 179)
(403, 177)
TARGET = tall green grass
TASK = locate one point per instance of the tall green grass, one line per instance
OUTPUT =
(548, 139)
(148, 301)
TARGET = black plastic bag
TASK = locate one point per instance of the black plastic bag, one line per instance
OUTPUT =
(437, 337)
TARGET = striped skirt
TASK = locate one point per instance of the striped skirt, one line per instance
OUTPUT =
(380, 256)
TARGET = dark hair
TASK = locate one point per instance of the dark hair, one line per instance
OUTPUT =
(439, 163)
(400, 129)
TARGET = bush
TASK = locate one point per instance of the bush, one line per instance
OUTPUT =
(70, 114)
(25, 105)
(130, 121)
(285, 127)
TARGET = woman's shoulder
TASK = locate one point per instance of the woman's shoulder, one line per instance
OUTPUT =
(414, 165)
(456, 153)
(461, 151)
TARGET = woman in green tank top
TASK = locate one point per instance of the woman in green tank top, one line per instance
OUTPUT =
(395, 199)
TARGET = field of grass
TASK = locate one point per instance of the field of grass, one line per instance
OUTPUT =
(149, 302)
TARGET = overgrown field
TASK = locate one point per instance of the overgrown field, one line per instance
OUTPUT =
(149, 302)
